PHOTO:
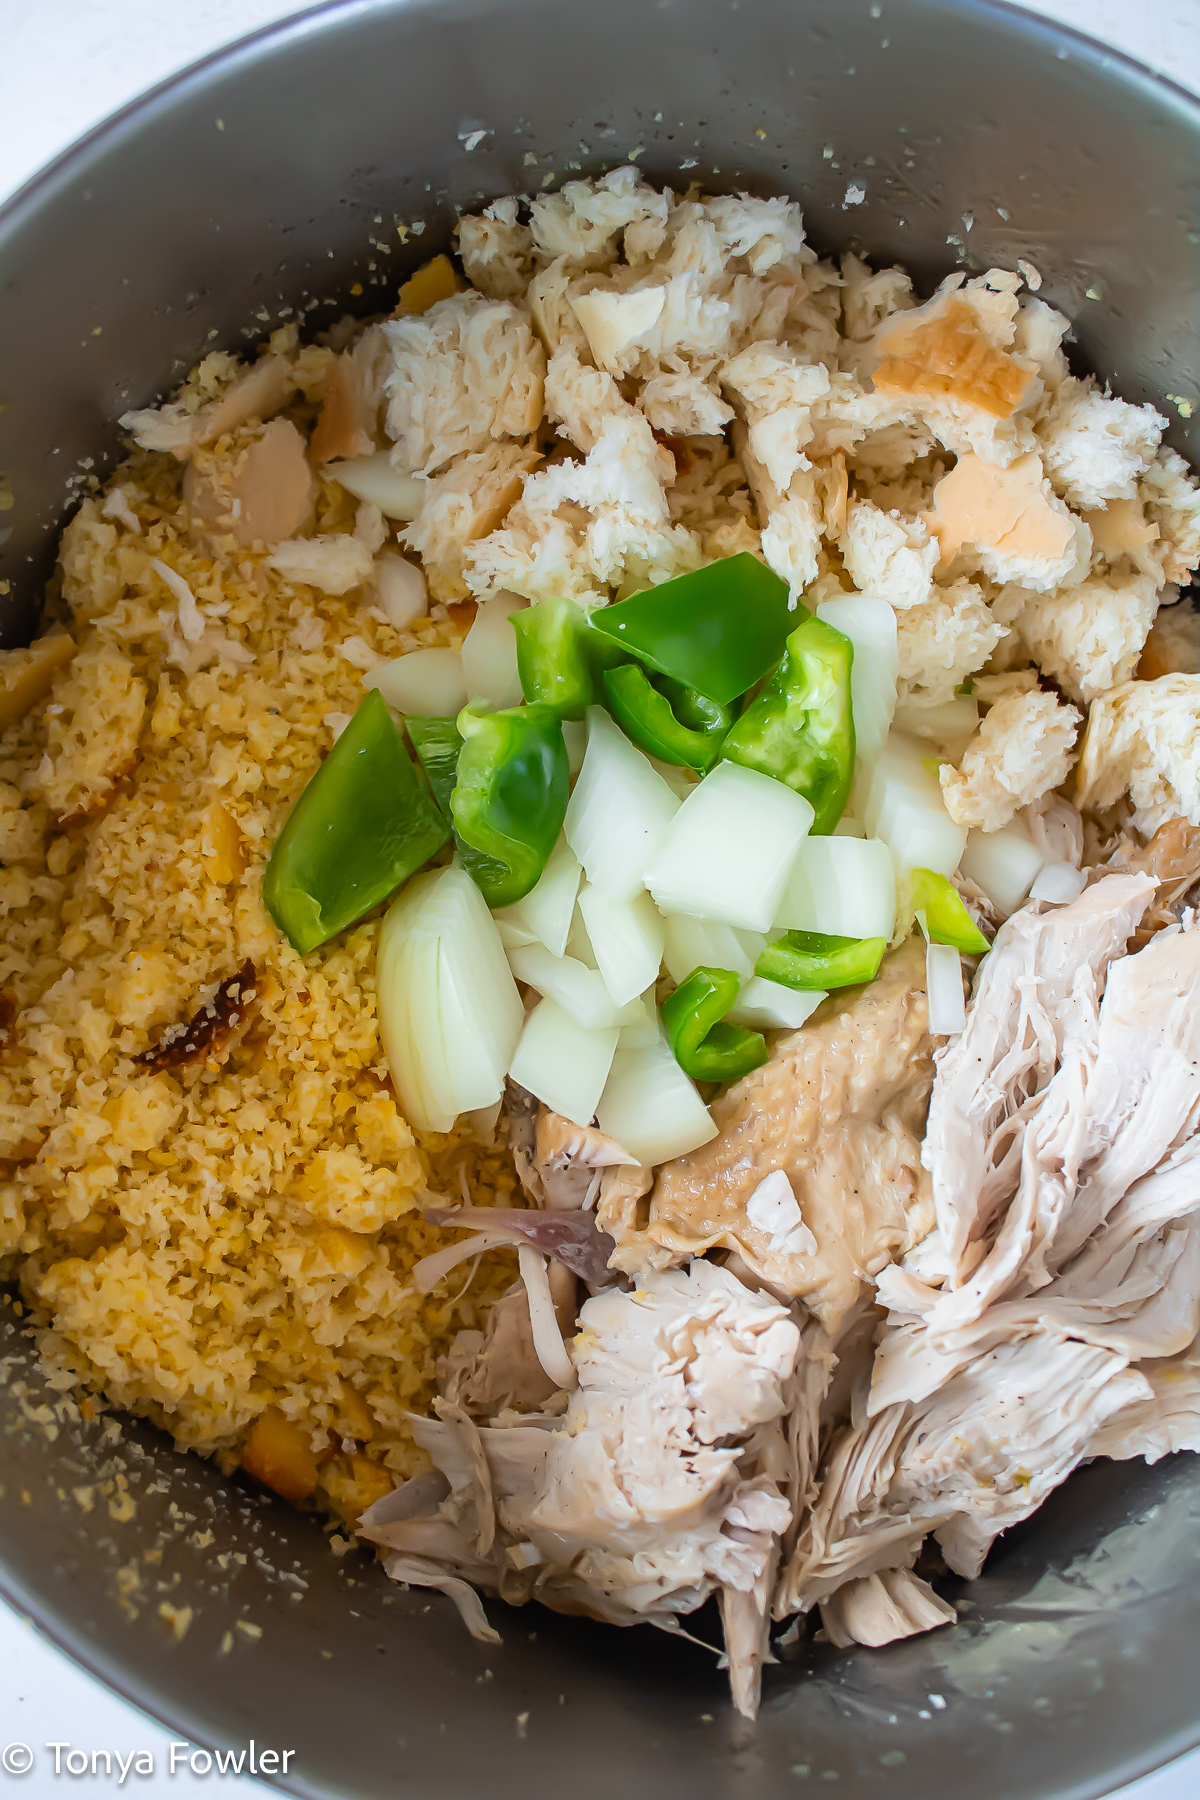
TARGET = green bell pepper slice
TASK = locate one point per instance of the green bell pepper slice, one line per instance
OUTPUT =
(552, 657)
(813, 959)
(935, 899)
(800, 728)
(361, 827)
(437, 743)
(649, 713)
(717, 630)
(510, 797)
(703, 1047)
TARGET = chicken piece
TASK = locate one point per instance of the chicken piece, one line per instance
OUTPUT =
(570, 1158)
(1021, 750)
(1143, 739)
(1167, 1422)
(1172, 857)
(181, 427)
(977, 1456)
(839, 1109)
(633, 1505)
(28, 673)
(468, 500)
(465, 374)
(1010, 523)
(261, 492)
(502, 1369)
(882, 1608)
(1095, 446)
(1008, 1053)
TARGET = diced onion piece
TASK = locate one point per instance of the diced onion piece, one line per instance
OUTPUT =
(944, 990)
(948, 728)
(1004, 863)
(562, 1063)
(769, 1006)
(427, 683)
(579, 990)
(650, 1107)
(843, 886)
(575, 738)
(619, 812)
(1058, 884)
(513, 935)
(627, 939)
(400, 588)
(547, 910)
(449, 1012)
(871, 627)
(548, 1343)
(489, 653)
(704, 943)
(904, 807)
(377, 479)
(730, 848)
(848, 827)
(638, 1023)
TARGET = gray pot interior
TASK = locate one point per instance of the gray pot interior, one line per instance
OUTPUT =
(277, 174)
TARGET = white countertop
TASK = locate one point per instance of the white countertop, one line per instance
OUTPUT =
(66, 65)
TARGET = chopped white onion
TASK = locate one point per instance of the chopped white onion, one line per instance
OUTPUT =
(944, 990)
(428, 684)
(575, 738)
(843, 886)
(489, 653)
(729, 849)
(377, 479)
(704, 943)
(650, 1107)
(449, 1012)
(948, 728)
(619, 811)
(547, 910)
(769, 1006)
(871, 627)
(579, 990)
(513, 935)
(400, 586)
(904, 807)
(1059, 883)
(548, 1343)
(848, 827)
(627, 940)
(1004, 863)
(638, 1023)
(565, 1065)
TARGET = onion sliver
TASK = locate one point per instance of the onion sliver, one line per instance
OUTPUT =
(548, 1343)
(730, 848)
(638, 1023)
(546, 911)
(703, 943)
(944, 989)
(650, 1107)
(619, 811)
(871, 627)
(1004, 863)
(400, 586)
(489, 653)
(560, 1062)
(449, 1012)
(769, 1006)
(377, 479)
(841, 885)
(427, 683)
(904, 807)
(579, 990)
(627, 940)
(948, 728)
(1058, 884)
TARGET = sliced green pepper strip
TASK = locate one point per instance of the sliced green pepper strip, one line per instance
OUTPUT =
(361, 827)
(437, 743)
(946, 919)
(510, 797)
(813, 959)
(703, 1047)
(800, 728)
(717, 630)
(552, 657)
(646, 714)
